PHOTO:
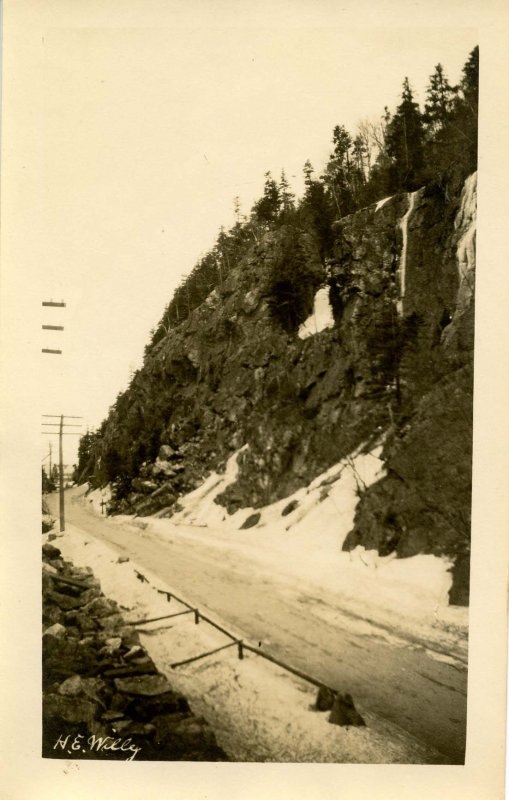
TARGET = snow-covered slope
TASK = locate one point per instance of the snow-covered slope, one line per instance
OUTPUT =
(301, 536)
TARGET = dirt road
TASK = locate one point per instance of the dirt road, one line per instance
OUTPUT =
(396, 681)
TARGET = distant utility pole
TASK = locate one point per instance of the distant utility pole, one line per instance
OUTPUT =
(53, 304)
(61, 433)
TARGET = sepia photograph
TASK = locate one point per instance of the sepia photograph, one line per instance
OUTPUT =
(249, 255)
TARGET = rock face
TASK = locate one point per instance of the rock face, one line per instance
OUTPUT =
(103, 697)
(396, 366)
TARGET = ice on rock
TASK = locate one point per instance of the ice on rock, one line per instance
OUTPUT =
(465, 224)
(322, 316)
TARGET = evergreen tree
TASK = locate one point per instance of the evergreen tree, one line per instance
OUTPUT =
(48, 484)
(55, 475)
(308, 173)
(469, 84)
(440, 97)
(293, 279)
(405, 144)
(338, 173)
(451, 148)
(236, 209)
(468, 109)
(359, 170)
(439, 110)
(316, 212)
(267, 208)
(286, 196)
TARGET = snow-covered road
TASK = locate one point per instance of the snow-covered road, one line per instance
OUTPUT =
(395, 677)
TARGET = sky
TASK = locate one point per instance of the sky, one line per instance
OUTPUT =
(141, 139)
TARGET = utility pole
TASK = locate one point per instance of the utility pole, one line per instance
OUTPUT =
(61, 433)
(53, 304)
(61, 472)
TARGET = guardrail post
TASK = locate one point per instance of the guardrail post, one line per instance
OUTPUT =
(196, 616)
(241, 650)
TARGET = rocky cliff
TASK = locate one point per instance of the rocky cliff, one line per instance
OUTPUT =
(385, 356)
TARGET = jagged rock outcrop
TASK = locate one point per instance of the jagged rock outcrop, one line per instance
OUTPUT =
(395, 366)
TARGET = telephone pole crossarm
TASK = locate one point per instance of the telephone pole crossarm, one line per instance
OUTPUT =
(57, 416)
(57, 425)
(65, 433)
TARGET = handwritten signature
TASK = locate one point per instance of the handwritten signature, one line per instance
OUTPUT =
(96, 744)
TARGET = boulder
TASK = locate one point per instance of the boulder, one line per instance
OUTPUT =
(77, 685)
(84, 622)
(162, 468)
(111, 646)
(291, 506)
(251, 521)
(144, 708)
(250, 301)
(56, 630)
(49, 551)
(69, 709)
(111, 622)
(52, 614)
(143, 486)
(166, 452)
(100, 607)
(112, 716)
(128, 727)
(145, 685)
(65, 602)
(133, 652)
(188, 739)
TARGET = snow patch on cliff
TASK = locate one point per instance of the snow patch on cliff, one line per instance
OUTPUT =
(328, 502)
(322, 316)
(199, 506)
(381, 203)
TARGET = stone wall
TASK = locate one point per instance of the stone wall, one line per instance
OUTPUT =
(103, 697)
